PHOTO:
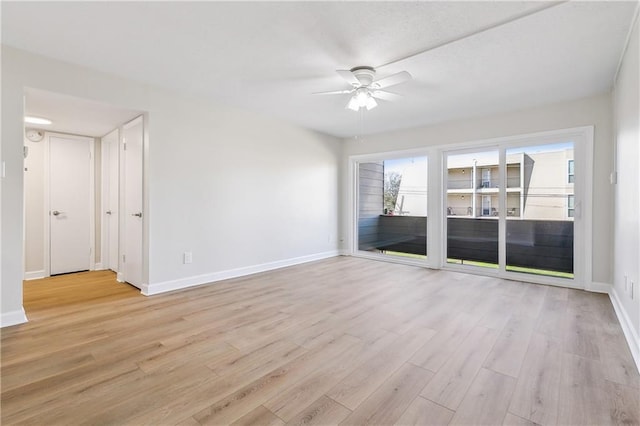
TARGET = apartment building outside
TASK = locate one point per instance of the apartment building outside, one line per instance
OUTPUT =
(539, 185)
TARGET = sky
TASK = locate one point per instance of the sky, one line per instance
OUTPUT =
(398, 165)
(491, 156)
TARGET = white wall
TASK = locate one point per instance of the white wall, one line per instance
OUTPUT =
(241, 190)
(627, 194)
(583, 112)
(235, 188)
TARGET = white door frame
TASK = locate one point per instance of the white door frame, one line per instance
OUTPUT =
(582, 138)
(105, 194)
(47, 200)
(436, 224)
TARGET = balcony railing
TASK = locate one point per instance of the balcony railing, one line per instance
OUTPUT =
(481, 212)
(453, 183)
(536, 244)
(513, 182)
(460, 183)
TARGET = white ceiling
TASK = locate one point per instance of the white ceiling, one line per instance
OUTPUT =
(467, 58)
(73, 115)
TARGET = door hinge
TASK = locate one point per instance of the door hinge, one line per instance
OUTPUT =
(124, 144)
(124, 258)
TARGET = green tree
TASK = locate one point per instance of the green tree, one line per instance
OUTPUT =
(391, 188)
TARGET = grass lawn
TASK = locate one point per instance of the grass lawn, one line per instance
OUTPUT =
(409, 255)
(488, 265)
(514, 268)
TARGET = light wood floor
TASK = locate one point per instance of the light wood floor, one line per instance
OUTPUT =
(341, 341)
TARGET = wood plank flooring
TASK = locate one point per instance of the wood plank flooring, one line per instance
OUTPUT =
(342, 341)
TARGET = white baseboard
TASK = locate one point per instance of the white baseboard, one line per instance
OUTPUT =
(163, 287)
(627, 327)
(34, 275)
(597, 287)
(12, 318)
(98, 267)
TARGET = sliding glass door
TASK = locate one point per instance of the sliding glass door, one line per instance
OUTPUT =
(540, 210)
(512, 208)
(392, 207)
(515, 207)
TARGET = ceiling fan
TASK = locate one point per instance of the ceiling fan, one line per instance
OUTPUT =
(365, 90)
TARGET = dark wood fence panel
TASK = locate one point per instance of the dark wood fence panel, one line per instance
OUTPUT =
(540, 244)
(405, 234)
(472, 239)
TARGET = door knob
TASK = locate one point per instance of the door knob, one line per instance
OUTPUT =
(55, 212)
(108, 212)
(139, 214)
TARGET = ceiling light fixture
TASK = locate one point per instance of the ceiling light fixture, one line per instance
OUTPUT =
(365, 89)
(36, 120)
(362, 99)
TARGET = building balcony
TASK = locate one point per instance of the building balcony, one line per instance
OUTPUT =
(542, 245)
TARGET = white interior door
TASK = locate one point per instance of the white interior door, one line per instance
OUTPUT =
(133, 214)
(70, 204)
(110, 148)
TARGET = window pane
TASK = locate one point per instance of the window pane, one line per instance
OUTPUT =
(472, 208)
(570, 205)
(540, 231)
(392, 210)
(571, 176)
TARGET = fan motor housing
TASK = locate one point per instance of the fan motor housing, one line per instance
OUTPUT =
(364, 75)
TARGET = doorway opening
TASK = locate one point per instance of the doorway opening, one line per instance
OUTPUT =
(58, 295)
(74, 181)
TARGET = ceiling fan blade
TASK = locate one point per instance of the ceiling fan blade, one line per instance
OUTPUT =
(392, 80)
(386, 96)
(348, 77)
(334, 92)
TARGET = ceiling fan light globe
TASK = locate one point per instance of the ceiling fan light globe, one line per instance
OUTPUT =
(371, 103)
(361, 97)
(353, 104)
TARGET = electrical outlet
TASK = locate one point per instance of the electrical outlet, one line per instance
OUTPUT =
(187, 257)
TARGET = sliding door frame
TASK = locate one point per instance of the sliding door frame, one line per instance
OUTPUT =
(432, 259)
(582, 138)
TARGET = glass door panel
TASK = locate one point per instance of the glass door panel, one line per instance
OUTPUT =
(472, 214)
(540, 211)
(392, 207)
